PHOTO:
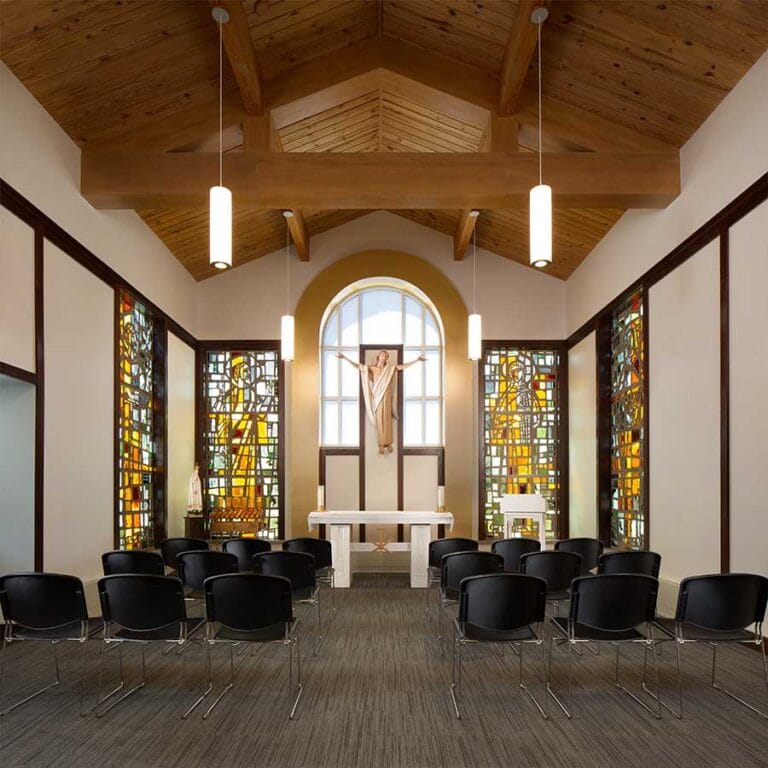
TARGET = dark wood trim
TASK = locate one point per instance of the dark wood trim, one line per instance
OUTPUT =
(39, 401)
(559, 346)
(116, 422)
(400, 448)
(15, 372)
(160, 430)
(646, 484)
(200, 458)
(755, 194)
(25, 210)
(725, 404)
(281, 506)
(603, 427)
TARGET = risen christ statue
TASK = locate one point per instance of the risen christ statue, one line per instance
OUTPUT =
(378, 382)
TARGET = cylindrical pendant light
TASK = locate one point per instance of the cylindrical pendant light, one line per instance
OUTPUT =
(286, 321)
(474, 321)
(220, 198)
(540, 199)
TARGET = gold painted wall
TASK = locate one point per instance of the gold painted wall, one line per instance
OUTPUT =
(460, 461)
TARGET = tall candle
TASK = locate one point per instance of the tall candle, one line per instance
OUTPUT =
(441, 496)
(320, 496)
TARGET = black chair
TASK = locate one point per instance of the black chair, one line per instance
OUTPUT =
(557, 568)
(170, 548)
(719, 608)
(457, 566)
(196, 566)
(249, 608)
(513, 549)
(589, 549)
(299, 569)
(321, 550)
(143, 609)
(609, 609)
(438, 548)
(132, 561)
(48, 607)
(636, 561)
(500, 608)
(244, 550)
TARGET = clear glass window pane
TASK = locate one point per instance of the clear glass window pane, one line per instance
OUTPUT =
(382, 317)
(431, 335)
(349, 330)
(413, 379)
(330, 422)
(432, 422)
(350, 423)
(350, 376)
(414, 334)
(331, 331)
(412, 423)
(330, 374)
(431, 374)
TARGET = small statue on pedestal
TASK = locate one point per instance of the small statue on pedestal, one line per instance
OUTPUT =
(195, 493)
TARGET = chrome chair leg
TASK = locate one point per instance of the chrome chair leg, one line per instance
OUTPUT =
(656, 696)
(228, 687)
(131, 691)
(294, 641)
(718, 687)
(525, 688)
(621, 687)
(456, 674)
(34, 695)
(206, 674)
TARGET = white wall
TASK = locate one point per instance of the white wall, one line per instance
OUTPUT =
(79, 417)
(39, 160)
(748, 249)
(17, 292)
(727, 154)
(515, 301)
(181, 430)
(582, 443)
(17, 475)
(684, 417)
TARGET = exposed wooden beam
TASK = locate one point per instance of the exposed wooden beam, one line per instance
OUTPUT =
(242, 57)
(521, 46)
(500, 135)
(380, 180)
(464, 228)
(298, 229)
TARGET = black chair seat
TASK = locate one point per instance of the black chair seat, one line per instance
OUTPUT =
(692, 632)
(559, 594)
(58, 633)
(168, 632)
(585, 632)
(486, 635)
(265, 634)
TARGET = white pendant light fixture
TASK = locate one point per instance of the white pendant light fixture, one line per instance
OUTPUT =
(220, 198)
(286, 321)
(474, 321)
(540, 199)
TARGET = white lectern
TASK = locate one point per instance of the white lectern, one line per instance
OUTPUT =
(524, 506)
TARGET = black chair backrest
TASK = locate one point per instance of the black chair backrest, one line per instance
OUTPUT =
(440, 547)
(244, 550)
(589, 549)
(615, 602)
(195, 567)
(42, 600)
(141, 602)
(170, 548)
(320, 549)
(502, 601)
(248, 601)
(458, 565)
(557, 568)
(640, 561)
(297, 567)
(513, 549)
(723, 602)
(132, 561)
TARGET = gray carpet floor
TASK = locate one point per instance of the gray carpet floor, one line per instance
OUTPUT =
(377, 695)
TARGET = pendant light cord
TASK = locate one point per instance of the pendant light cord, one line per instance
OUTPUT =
(539, 50)
(221, 105)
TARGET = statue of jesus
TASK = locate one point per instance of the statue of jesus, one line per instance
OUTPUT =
(378, 382)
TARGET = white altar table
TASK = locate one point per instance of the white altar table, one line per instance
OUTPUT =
(341, 538)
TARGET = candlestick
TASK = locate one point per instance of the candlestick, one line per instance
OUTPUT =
(321, 498)
(441, 498)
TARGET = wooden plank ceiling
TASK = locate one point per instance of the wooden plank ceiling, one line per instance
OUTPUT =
(616, 75)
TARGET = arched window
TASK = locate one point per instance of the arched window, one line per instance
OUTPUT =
(381, 312)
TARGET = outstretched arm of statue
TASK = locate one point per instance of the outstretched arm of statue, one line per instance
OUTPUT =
(349, 360)
(419, 359)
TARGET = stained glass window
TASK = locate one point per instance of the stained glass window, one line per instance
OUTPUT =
(521, 425)
(136, 450)
(627, 407)
(242, 438)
